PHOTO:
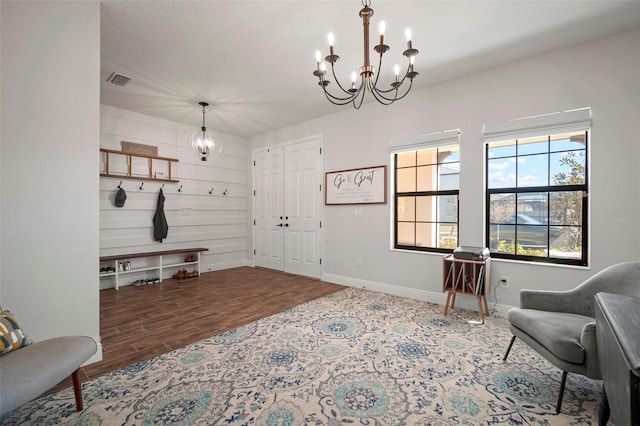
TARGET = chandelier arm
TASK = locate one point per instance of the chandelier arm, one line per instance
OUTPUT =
(400, 83)
(382, 99)
(344, 101)
(333, 71)
(378, 73)
(338, 100)
(396, 98)
(359, 104)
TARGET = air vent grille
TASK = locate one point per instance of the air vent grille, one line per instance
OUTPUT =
(118, 79)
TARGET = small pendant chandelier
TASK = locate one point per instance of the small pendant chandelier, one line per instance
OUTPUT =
(368, 76)
(202, 140)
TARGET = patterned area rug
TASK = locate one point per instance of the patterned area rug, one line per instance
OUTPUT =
(354, 357)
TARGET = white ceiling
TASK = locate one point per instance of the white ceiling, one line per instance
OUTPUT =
(253, 60)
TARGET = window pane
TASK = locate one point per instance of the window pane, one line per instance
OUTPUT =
(566, 208)
(425, 234)
(448, 208)
(501, 238)
(449, 176)
(567, 168)
(502, 149)
(427, 156)
(568, 141)
(426, 178)
(533, 208)
(406, 235)
(532, 237)
(425, 208)
(502, 173)
(448, 235)
(449, 154)
(406, 209)
(535, 145)
(502, 208)
(406, 159)
(406, 180)
(533, 170)
(568, 244)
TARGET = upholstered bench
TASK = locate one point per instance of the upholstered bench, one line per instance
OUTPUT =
(31, 370)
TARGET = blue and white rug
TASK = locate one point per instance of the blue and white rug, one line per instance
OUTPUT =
(355, 357)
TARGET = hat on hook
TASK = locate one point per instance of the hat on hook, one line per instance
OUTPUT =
(121, 196)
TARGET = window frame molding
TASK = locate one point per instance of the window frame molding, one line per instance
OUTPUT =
(421, 142)
(547, 125)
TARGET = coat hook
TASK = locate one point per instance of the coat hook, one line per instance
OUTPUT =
(180, 189)
(141, 185)
(225, 191)
(162, 187)
(211, 192)
(120, 184)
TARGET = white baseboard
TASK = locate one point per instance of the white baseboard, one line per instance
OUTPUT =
(428, 296)
(223, 265)
(95, 358)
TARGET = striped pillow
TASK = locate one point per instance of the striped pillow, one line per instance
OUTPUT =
(11, 336)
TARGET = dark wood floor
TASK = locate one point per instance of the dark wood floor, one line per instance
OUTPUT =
(138, 323)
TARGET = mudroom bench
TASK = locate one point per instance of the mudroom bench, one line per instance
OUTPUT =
(130, 263)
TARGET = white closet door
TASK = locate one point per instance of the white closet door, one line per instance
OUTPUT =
(303, 209)
(288, 228)
(267, 208)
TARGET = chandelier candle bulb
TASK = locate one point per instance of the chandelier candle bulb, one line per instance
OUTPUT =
(407, 34)
(382, 28)
(331, 41)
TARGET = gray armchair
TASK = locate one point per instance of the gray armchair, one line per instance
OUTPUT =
(561, 325)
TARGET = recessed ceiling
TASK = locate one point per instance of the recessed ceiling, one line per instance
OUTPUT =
(253, 60)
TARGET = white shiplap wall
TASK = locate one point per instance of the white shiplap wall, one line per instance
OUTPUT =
(196, 218)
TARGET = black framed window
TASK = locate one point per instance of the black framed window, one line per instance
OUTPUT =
(537, 198)
(426, 199)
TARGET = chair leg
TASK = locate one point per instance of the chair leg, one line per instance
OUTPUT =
(564, 380)
(77, 390)
(513, 339)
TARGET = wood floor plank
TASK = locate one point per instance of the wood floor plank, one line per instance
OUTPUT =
(139, 323)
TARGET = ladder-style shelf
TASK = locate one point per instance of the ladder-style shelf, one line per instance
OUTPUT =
(130, 156)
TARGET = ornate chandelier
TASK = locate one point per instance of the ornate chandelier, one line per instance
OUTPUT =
(368, 76)
(202, 140)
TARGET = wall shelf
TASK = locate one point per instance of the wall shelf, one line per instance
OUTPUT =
(129, 158)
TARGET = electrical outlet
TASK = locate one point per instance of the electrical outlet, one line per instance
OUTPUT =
(358, 262)
(504, 282)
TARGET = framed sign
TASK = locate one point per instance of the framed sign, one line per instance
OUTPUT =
(356, 186)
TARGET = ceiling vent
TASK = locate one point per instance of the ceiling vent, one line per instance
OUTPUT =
(118, 79)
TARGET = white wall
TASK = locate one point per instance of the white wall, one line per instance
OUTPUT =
(215, 221)
(603, 74)
(49, 180)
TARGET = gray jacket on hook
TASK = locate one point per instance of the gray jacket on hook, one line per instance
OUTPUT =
(160, 226)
